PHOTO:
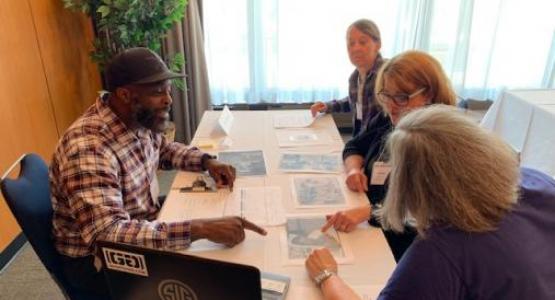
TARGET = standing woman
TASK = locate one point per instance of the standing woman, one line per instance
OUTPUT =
(409, 80)
(363, 46)
(485, 228)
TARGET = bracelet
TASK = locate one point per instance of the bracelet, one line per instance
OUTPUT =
(322, 276)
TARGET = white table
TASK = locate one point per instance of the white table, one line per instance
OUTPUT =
(251, 130)
(526, 120)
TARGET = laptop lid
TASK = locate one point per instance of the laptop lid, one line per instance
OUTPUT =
(137, 273)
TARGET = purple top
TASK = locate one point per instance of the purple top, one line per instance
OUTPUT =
(516, 261)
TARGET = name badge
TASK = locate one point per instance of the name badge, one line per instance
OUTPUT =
(380, 171)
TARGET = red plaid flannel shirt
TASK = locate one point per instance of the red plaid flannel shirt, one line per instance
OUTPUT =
(100, 184)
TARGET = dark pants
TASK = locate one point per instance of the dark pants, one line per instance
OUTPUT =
(82, 276)
(399, 242)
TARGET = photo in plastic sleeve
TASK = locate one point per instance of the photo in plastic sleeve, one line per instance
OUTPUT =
(317, 191)
(302, 234)
(246, 163)
(310, 163)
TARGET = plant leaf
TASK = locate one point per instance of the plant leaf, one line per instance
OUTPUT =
(104, 10)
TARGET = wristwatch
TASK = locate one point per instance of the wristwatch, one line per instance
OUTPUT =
(322, 276)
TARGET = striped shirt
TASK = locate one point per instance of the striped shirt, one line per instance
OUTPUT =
(349, 104)
(100, 180)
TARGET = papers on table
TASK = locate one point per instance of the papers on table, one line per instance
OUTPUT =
(294, 119)
(310, 163)
(302, 234)
(302, 137)
(317, 191)
(209, 205)
(260, 205)
(247, 163)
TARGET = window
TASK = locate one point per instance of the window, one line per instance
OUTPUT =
(290, 51)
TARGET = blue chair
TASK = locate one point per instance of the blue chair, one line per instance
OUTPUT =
(28, 197)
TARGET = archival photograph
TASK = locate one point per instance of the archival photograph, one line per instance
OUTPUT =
(247, 163)
(302, 235)
(317, 191)
(310, 163)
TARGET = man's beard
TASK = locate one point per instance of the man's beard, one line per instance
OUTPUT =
(149, 119)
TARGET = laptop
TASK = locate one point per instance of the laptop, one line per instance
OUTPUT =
(134, 272)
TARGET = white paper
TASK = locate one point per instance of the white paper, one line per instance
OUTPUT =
(260, 205)
(302, 137)
(294, 120)
(273, 285)
(302, 235)
(205, 205)
(310, 163)
(317, 191)
(246, 163)
(226, 120)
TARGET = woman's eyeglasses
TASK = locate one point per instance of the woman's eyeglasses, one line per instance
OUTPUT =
(399, 99)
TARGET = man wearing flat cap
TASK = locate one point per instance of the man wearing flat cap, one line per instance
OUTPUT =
(103, 173)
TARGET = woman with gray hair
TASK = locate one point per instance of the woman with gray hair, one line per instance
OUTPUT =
(363, 46)
(472, 208)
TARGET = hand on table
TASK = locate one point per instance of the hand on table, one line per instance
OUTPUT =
(229, 231)
(318, 107)
(357, 180)
(319, 260)
(223, 174)
(347, 220)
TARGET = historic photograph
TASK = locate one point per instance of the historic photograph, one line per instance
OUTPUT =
(317, 191)
(310, 163)
(303, 234)
(247, 163)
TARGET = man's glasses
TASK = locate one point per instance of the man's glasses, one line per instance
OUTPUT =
(399, 99)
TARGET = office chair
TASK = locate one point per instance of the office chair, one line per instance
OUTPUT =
(28, 197)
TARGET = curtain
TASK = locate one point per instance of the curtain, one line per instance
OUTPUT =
(291, 51)
(189, 105)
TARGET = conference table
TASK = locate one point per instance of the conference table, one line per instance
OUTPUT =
(372, 262)
(526, 119)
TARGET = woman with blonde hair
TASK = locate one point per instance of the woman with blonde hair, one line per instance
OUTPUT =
(409, 80)
(485, 228)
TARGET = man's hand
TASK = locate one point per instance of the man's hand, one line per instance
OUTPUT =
(347, 220)
(319, 260)
(223, 174)
(357, 181)
(318, 107)
(229, 231)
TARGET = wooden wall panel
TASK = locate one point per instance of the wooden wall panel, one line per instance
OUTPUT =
(26, 116)
(46, 81)
(65, 40)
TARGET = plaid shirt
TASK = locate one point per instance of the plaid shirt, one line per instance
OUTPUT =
(348, 104)
(100, 180)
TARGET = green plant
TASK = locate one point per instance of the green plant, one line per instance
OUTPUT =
(122, 24)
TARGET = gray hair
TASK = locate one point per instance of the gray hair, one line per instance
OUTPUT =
(446, 170)
(367, 27)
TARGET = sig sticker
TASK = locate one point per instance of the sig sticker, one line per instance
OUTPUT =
(125, 262)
